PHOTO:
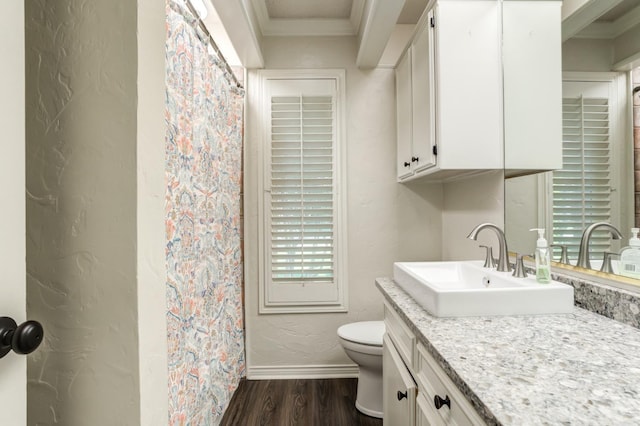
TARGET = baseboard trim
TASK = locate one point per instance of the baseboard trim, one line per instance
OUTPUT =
(277, 372)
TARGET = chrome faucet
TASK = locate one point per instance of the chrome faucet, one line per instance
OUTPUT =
(503, 257)
(583, 254)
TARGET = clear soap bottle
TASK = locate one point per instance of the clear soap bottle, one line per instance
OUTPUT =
(543, 258)
(630, 256)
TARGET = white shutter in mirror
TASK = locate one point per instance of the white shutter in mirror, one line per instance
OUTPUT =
(582, 189)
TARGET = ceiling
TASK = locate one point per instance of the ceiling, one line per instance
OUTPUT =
(309, 9)
(379, 23)
(322, 18)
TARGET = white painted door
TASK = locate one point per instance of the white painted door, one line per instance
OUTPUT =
(13, 367)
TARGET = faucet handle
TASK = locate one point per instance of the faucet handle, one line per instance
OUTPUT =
(606, 262)
(564, 256)
(520, 271)
(489, 260)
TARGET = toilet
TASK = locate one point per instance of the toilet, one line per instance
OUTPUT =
(362, 341)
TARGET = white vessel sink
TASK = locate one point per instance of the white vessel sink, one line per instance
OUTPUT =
(459, 289)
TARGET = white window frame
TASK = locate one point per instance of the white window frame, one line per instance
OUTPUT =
(618, 135)
(302, 297)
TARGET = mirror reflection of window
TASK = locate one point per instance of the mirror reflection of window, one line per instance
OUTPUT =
(596, 163)
(595, 183)
(585, 191)
(635, 75)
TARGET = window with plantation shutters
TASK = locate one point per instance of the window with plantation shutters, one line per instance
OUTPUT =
(302, 191)
(582, 190)
(302, 203)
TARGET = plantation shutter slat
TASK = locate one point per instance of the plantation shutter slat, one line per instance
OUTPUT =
(302, 201)
(582, 189)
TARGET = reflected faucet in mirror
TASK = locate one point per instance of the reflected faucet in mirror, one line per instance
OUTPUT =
(503, 257)
(583, 254)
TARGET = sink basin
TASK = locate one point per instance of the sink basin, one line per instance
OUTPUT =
(459, 289)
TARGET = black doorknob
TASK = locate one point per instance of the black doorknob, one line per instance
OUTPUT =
(23, 339)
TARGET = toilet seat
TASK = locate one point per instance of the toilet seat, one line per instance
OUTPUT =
(364, 332)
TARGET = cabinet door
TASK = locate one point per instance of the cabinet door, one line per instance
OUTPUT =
(422, 80)
(403, 111)
(469, 81)
(399, 389)
(532, 86)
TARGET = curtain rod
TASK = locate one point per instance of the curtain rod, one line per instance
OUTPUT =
(213, 44)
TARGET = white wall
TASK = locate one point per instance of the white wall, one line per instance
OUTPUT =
(626, 48)
(521, 201)
(468, 203)
(150, 221)
(387, 221)
(587, 55)
(95, 211)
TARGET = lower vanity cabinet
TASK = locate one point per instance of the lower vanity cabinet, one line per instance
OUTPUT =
(445, 404)
(399, 389)
(409, 369)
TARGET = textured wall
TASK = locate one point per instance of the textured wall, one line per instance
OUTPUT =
(386, 222)
(81, 211)
(204, 257)
(587, 55)
(467, 203)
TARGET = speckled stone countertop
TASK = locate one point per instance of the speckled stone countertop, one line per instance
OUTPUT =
(571, 369)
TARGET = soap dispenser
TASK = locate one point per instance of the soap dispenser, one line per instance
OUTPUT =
(543, 258)
(630, 256)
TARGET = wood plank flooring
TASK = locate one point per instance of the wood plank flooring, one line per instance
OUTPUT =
(319, 402)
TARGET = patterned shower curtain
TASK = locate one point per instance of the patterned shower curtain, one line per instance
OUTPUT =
(204, 256)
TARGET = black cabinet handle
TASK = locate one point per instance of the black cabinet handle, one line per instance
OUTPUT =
(439, 402)
(401, 395)
(415, 159)
(407, 164)
(23, 339)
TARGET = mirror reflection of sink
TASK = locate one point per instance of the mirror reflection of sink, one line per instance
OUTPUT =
(458, 289)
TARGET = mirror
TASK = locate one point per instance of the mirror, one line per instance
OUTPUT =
(598, 129)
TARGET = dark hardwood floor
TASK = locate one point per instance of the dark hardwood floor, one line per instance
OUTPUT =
(321, 402)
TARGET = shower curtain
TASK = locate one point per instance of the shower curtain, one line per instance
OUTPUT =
(203, 245)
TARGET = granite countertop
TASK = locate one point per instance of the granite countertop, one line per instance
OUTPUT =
(579, 368)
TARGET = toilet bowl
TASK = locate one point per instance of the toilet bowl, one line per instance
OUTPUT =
(362, 342)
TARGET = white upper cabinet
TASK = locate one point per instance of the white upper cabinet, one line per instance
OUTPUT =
(532, 63)
(404, 121)
(482, 80)
(423, 119)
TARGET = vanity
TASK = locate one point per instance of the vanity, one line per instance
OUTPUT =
(576, 368)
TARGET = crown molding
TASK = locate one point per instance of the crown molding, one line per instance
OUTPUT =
(307, 27)
(357, 10)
